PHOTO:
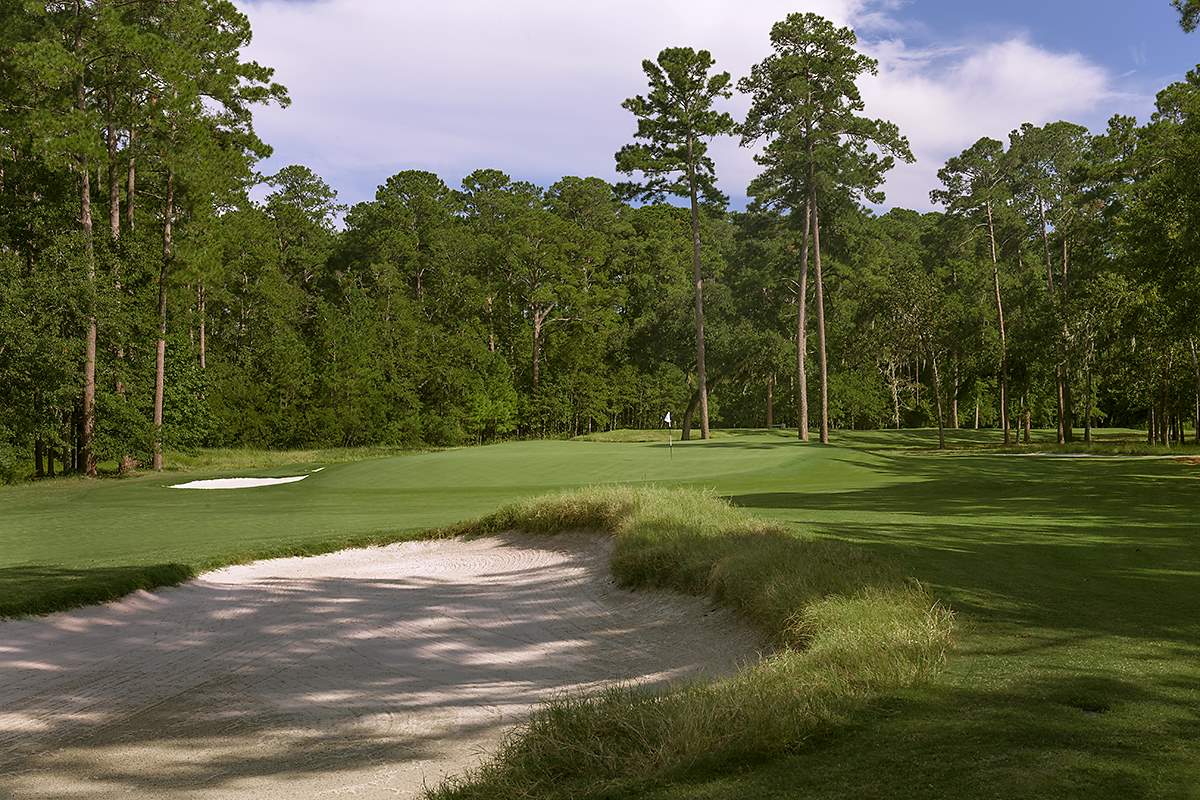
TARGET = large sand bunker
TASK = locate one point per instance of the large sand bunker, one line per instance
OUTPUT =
(356, 674)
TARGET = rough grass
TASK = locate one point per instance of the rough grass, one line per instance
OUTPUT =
(214, 458)
(846, 628)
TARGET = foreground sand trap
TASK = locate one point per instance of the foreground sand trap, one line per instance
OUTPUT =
(357, 674)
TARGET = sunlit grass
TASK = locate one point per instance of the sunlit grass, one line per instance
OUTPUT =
(630, 435)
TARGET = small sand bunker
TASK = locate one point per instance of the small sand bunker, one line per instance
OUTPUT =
(237, 483)
(364, 673)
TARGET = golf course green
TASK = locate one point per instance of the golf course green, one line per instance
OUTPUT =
(1075, 583)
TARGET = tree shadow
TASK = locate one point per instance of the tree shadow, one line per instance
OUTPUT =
(1052, 549)
(1063, 736)
(1074, 584)
(40, 588)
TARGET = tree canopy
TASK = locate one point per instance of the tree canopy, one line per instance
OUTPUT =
(158, 293)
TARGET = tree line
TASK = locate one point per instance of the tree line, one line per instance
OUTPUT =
(1059, 287)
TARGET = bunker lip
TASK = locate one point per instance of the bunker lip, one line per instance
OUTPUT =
(365, 672)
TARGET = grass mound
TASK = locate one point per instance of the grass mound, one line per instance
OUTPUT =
(847, 628)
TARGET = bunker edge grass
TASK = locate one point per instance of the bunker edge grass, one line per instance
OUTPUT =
(844, 627)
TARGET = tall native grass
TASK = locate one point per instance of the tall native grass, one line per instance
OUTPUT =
(231, 458)
(845, 628)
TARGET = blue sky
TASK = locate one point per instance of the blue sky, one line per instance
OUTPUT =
(534, 87)
(1138, 39)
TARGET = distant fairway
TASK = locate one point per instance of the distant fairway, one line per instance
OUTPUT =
(80, 536)
(1075, 582)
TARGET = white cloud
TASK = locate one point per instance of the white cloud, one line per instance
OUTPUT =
(534, 87)
(944, 100)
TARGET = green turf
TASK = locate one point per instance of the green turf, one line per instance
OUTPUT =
(663, 435)
(1076, 583)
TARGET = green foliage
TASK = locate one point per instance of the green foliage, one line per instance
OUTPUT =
(1189, 13)
(187, 419)
(675, 121)
(806, 103)
(444, 316)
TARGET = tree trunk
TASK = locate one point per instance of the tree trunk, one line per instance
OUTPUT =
(802, 329)
(130, 182)
(74, 422)
(88, 427)
(203, 336)
(114, 183)
(822, 358)
(1087, 419)
(977, 411)
(954, 398)
(1062, 404)
(685, 426)
(894, 380)
(49, 462)
(1150, 426)
(1058, 370)
(39, 465)
(538, 319)
(698, 281)
(770, 402)
(1068, 402)
(937, 393)
(160, 358)
(1196, 370)
(1000, 320)
(491, 327)
(1162, 413)
(1046, 246)
(1069, 408)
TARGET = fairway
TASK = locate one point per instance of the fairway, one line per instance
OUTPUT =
(1074, 582)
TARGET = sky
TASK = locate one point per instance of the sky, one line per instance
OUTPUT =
(534, 87)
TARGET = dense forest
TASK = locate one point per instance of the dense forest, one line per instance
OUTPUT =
(147, 302)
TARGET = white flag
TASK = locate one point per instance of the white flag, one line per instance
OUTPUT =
(667, 419)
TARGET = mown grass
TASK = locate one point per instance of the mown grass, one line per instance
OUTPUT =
(1076, 666)
(633, 435)
(1118, 447)
(845, 627)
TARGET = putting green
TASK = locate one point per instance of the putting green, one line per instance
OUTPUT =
(1075, 581)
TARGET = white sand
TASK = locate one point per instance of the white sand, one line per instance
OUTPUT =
(237, 483)
(356, 674)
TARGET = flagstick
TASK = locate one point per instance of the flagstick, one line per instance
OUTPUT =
(670, 428)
